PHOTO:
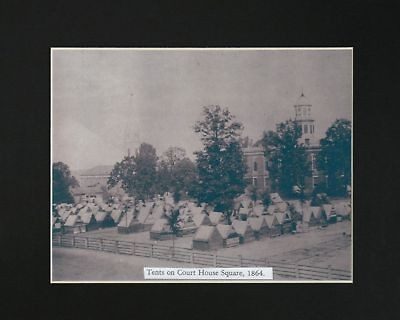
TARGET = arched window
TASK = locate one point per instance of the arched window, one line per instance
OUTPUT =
(305, 128)
(255, 166)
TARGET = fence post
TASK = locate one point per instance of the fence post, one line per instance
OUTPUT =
(133, 248)
(297, 270)
(151, 252)
(73, 241)
(86, 242)
(116, 246)
(59, 240)
(191, 257)
(329, 272)
(215, 260)
(101, 244)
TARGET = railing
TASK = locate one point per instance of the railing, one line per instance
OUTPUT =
(285, 270)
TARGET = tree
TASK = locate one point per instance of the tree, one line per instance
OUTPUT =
(184, 176)
(253, 193)
(335, 156)
(145, 180)
(220, 164)
(124, 172)
(137, 173)
(62, 182)
(172, 168)
(174, 223)
(288, 164)
(266, 199)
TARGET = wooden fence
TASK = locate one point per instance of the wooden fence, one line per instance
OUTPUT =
(285, 270)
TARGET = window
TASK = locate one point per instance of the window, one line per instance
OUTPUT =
(313, 161)
(255, 166)
(307, 141)
(254, 181)
(315, 181)
(304, 112)
(305, 128)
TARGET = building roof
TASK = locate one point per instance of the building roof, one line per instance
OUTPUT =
(87, 217)
(307, 214)
(256, 223)
(275, 198)
(240, 226)
(328, 209)
(281, 217)
(196, 210)
(302, 101)
(204, 233)
(225, 230)
(98, 171)
(100, 216)
(160, 225)
(271, 221)
(271, 209)
(216, 217)
(126, 220)
(281, 206)
(258, 210)
(143, 213)
(71, 221)
(316, 212)
(253, 150)
(116, 215)
(342, 209)
(201, 219)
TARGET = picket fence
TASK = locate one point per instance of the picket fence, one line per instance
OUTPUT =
(283, 269)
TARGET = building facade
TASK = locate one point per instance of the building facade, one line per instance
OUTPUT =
(257, 173)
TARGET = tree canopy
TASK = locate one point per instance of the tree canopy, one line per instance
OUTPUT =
(335, 156)
(220, 164)
(137, 173)
(62, 182)
(286, 157)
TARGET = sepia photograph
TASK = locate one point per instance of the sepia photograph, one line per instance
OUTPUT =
(191, 160)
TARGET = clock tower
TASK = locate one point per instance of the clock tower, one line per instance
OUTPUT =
(304, 120)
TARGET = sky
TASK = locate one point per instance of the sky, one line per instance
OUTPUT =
(106, 101)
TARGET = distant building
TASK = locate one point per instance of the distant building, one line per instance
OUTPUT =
(257, 174)
(91, 184)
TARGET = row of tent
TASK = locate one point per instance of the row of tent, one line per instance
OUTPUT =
(209, 237)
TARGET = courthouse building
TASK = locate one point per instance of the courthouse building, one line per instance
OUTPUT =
(257, 174)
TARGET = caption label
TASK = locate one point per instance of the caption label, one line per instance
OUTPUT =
(208, 273)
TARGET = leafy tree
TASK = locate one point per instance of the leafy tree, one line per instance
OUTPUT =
(220, 164)
(288, 164)
(124, 172)
(253, 193)
(137, 173)
(175, 171)
(266, 199)
(184, 176)
(174, 223)
(62, 182)
(335, 156)
(146, 160)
